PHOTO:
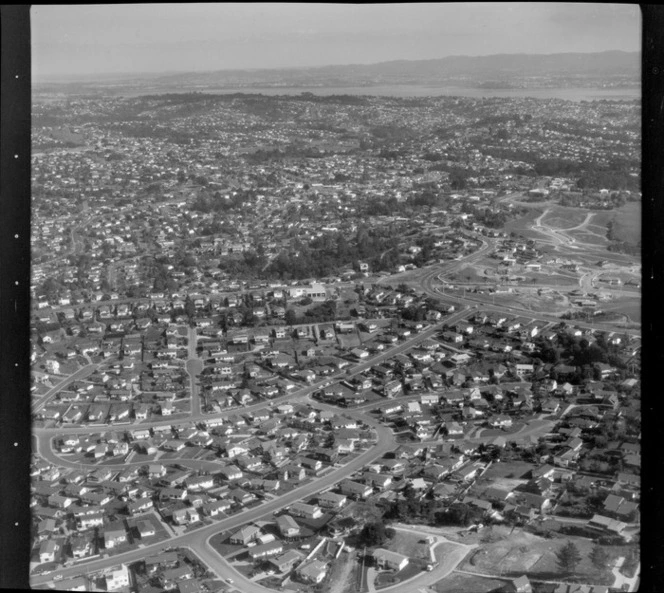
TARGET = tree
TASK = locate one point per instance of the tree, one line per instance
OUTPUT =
(375, 534)
(568, 557)
(291, 317)
(599, 557)
(189, 307)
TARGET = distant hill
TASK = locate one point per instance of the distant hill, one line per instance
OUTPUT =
(500, 69)
(609, 63)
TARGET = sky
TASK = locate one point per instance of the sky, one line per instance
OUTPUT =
(140, 38)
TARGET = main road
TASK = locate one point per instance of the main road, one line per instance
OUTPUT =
(79, 375)
(194, 366)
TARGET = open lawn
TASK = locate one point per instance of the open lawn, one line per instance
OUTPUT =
(409, 544)
(463, 583)
(349, 340)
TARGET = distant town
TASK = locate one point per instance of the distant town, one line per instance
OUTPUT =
(335, 343)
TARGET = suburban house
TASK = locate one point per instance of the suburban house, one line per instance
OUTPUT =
(312, 572)
(287, 526)
(307, 511)
(245, 535)
(185, 516)
(212, 509)
(160, 561)
(48, 550)
(145, 529)
(141, 505)
(117, 578)
(330, 500)
(355, 489)
(286, 561)
(114, 537)
(387, 559)
(268, 549)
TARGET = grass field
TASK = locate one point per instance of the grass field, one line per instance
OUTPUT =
(520, 225)
(630, 307)
(467, 274)
(519, 552)
(627, 221)
(561, 217)
(594, 236)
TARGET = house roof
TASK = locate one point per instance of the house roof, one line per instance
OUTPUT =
(389, 555)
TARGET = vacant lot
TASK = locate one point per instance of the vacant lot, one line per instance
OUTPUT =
(363, 512)
(519, 552)
(508, 469)
(632, 309)
(349, 340)
(627, 222)
(550, 279)
(342, 576)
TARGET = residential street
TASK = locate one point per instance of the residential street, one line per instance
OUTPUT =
(197, 539)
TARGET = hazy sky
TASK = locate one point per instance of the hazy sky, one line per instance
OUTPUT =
(193, 37)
